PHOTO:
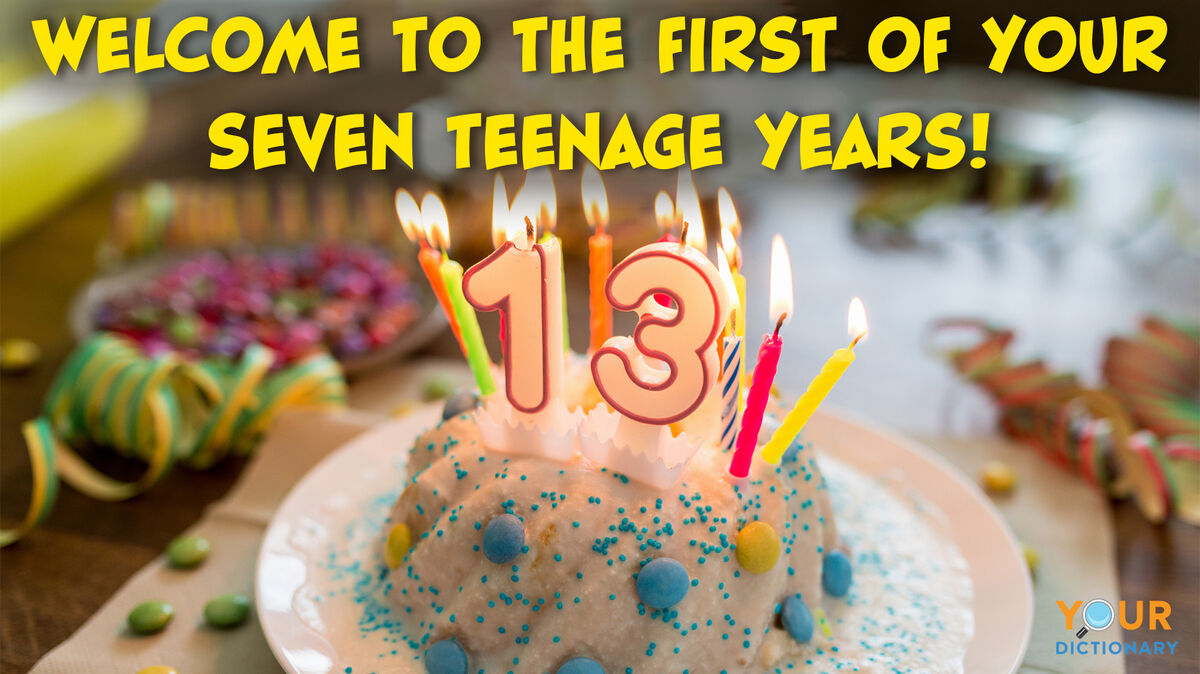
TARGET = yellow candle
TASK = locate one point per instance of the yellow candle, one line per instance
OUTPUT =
(818, 388)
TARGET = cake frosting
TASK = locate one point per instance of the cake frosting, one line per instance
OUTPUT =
(503, 562)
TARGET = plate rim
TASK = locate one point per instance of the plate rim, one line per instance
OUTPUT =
(426, 415)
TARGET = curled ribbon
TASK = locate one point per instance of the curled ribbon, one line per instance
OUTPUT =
(1119, 437)
(161, 410)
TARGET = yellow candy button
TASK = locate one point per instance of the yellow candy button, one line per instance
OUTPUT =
(399, 540)
(998, 477)
(757, 547)
(158, 669)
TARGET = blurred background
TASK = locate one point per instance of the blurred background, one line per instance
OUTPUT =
(1084, 220)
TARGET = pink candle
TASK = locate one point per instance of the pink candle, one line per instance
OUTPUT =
(768, 361)
(756, 403)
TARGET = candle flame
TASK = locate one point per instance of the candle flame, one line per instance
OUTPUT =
(856, 320)
(687, 209)
(410, 215)
(730, 249)
(542, 206)
(781, 281)
(664, 211)
(594, 197)
(500, 213)
(728, 215)
(727, 279)
(435, 222)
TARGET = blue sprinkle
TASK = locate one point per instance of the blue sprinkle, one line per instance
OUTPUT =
(797, 619)
(662, 583)
(836, 573)
(580, 666)
(503, 539)
(446, 657)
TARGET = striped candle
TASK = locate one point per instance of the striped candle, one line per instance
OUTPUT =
(731, 390)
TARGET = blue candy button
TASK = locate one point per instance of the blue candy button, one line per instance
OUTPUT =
(797, 619)
(836, 573)
(580, 666)
(662, 583)
(446, 657)
(503, 538)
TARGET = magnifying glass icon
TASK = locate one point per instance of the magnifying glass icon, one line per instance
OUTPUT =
(1097, 616)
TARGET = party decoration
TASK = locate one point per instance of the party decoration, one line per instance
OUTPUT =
(160, 410)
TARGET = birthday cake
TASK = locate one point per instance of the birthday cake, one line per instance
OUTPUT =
(508, 562)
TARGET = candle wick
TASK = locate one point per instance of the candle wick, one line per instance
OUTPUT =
(683, 234)
(779, 323)
(529, 230)
(857, 339)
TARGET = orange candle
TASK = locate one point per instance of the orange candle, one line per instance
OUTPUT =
(431, 260)
(595, 209)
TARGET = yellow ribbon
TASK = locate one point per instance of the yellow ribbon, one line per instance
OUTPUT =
(160, 410)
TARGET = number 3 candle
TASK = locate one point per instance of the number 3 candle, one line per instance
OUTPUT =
(663, 373)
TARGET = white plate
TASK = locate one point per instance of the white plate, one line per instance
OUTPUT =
(302, 630)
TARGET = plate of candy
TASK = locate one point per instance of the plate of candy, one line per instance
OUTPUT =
(354, 300)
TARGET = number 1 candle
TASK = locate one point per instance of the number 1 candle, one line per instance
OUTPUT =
(768, 361)
(521, 279)
(595, 210)
(820, 387)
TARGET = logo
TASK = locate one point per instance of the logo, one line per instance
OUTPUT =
(1099, 615)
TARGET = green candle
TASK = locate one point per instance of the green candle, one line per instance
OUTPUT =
(477, 353)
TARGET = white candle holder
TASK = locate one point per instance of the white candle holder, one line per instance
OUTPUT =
(647, 453)
(551, 433)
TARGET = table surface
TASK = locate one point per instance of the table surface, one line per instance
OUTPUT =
(1062, 307)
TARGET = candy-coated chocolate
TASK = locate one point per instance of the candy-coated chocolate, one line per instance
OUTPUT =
(757, 547)
(187, 552)
(836, 573)
(503, 538)
(580, 666)
(227, 610)
(998, 477)
(399, 541)
(662, 583)
(797, 619)
(18, 355)
(446, 657)
(459, 403)
(150, 616)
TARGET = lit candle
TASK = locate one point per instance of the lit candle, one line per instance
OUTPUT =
(595, 209)
(731, 365)
(687, 209)
(538, 200)
(731, 229)
(819, 387)
(521, 279)
(663, 373)
(430, 260)
(768, 360)
(433, 215)
(500, 212)
(664, 216)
